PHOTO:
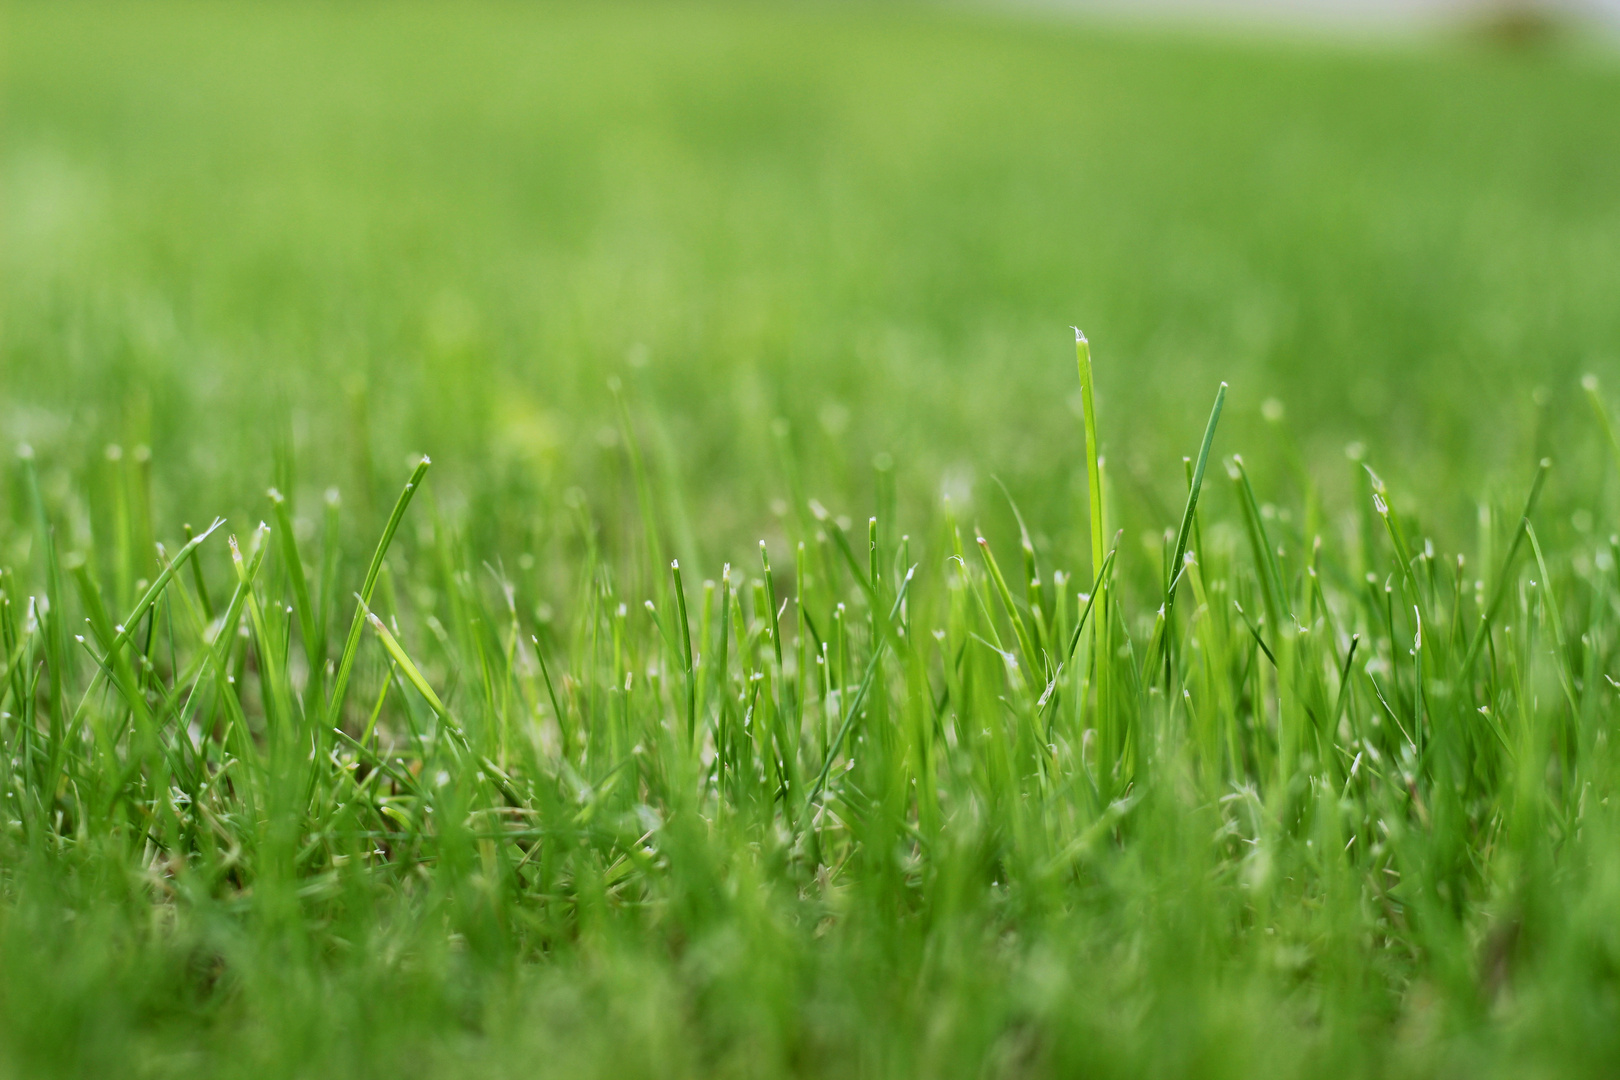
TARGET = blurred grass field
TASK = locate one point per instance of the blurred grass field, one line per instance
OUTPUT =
(228, 227)
(654, 281)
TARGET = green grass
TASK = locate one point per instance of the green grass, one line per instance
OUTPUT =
(617, 744)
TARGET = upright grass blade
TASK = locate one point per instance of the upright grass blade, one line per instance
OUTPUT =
(331, 550)
(1397, 535)
(219, 650)
(801, 620)
(1503, 578)
(54, 621)
(351, 645)
(853, 711)
(1555, 619)
(1088, 406)
(1090, 602)
(1272, 593)
(722, 655)
(1026, 644)
(304, 608)
(551, 692)
(874, 571)
(1112, 727)
(1184, 533)
(785, 714)
(272, 647)
(881, 627)
(1589, 383)
(1159, 649)
(685, 640)
(94, 606)
(1032, 583)
(770, 599)
(198, 582)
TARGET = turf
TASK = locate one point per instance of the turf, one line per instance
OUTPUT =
(1060, 725)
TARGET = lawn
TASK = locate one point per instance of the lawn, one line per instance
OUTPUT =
(676, 611)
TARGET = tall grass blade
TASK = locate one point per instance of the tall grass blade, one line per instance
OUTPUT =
(351, 644)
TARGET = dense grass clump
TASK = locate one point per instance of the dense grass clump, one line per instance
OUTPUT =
(886, 806)
(789, 663)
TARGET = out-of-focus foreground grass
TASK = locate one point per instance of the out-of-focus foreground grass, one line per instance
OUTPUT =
(650, 281)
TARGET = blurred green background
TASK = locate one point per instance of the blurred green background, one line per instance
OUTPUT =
(310, 239)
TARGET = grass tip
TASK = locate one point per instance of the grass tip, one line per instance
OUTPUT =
(1589, 383)
(1079, 338)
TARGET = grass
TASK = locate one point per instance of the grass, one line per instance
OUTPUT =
(613, 742)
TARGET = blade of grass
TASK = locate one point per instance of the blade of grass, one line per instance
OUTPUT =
(1499, 593)
(1026, 643)
(855, 705)
(308, 621)
(1272, 593)
(1082, 351)
(351, 645)
(1184, 533)
(686, 653)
